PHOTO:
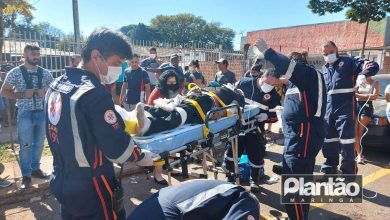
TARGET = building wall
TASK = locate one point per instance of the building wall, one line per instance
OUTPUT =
(208, 69)
(346, 34)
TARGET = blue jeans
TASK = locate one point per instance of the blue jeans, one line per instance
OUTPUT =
(31, 134)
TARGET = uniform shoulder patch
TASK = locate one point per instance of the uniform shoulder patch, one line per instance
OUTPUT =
(110, 117)
(54, 106)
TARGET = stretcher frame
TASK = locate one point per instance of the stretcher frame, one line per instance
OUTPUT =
(204, 147)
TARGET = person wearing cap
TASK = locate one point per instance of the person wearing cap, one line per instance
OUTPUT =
(199, 199)
(224, 76)
(255, 67)
(339, 74)
(303, 118)
(86, 134)
(172, 65)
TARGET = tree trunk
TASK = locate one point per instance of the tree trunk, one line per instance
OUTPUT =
(365, 37)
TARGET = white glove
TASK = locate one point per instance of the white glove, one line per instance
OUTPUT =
(262, 117)
(147, 158)
(361, 80)
(165, 104)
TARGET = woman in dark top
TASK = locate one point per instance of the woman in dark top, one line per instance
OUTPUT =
(193, 75)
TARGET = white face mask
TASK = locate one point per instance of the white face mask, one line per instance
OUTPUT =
(112, 75)
(330, 58)
(152, 55)
(266, 87)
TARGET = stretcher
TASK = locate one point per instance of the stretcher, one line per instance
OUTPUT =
(192, 140)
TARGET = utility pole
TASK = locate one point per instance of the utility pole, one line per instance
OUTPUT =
(76, 25)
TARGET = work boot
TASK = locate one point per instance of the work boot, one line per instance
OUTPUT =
(330, 171)
(26, 182)
(40, 174)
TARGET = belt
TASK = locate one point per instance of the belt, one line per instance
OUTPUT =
(340, 91)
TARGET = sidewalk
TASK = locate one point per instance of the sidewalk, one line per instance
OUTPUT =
(40, 188)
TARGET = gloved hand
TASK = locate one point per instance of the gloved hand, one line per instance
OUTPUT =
(146, 158)
(361, 80)
(262, 117)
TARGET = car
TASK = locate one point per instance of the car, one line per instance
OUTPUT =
(378, 135)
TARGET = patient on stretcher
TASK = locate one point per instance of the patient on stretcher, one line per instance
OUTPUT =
(172, 113)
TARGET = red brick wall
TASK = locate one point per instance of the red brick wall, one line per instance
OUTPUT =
(346, 34)
(209, 69)
(386, 66)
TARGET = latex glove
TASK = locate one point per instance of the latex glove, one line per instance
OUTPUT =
(146, 158)
(262, 117)
(361, 80)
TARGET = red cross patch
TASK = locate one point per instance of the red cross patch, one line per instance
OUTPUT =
(110, 117)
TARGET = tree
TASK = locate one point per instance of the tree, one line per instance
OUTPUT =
(10, 11)
(141, 32)
(187, 28)
(362, 11)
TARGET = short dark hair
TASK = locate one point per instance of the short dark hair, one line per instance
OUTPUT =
(31, 47)
(152, 49)
(135, 56)
(74, 57)
(108, 42)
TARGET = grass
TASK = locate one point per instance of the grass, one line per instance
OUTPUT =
(6, 153)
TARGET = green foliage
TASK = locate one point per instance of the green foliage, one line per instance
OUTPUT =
(141, 32)
(357, 10)
(182, 29)
(11, 10)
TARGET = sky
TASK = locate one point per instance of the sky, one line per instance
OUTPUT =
(241, 16)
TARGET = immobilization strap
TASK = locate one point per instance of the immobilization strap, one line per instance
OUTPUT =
(202, 115)
(228, 113)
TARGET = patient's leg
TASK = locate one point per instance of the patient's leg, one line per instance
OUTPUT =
(160, 123)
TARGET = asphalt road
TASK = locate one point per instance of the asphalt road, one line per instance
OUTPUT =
(376, 182)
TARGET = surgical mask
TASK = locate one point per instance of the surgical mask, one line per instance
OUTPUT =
(266, 87)
(173, 87)
(112, 75)
(330, 58)
(152, 55)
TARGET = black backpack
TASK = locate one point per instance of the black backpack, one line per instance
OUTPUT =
(28, 77)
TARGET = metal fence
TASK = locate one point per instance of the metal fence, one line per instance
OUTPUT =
(57, 51)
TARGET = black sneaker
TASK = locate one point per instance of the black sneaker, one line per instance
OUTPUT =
(26, 182)
(40, 174)
(255, 188)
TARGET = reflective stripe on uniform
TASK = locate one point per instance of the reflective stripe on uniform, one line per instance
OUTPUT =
(78, 147)
(330, 140)
(290, 70)
(339, 91)
(347, 141)
(261, 106)
(126, 155)
(294, 91)
(342, 141)
(253, 165)
(319, 106)
(194, 202)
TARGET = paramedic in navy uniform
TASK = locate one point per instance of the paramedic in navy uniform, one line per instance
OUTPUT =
(303, 118)
(340, 73)
(85, 133)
